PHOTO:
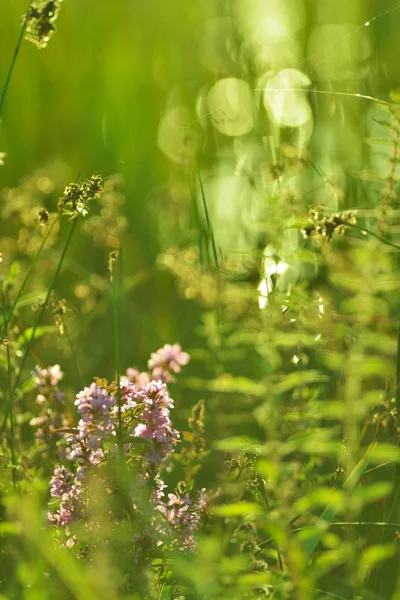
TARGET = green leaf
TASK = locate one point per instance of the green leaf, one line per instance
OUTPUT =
(25, 337)
(134, 439)
(384, 453)
(13, 272)
(375, 555)
(298, 379)
(237, 510)
(327, 516)
(228, 384)
(30, 299)
(238, 444)
(10, 528)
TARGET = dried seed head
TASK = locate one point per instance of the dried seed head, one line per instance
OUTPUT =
(326, 226)
(112, 259)
(76, 196)
(39, 22)
(43, 216)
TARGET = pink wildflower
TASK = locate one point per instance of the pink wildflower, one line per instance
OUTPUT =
(97, 423)
(166, 359)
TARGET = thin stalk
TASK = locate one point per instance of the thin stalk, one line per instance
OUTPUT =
(44, 305)
(27, 275)
(264, 498)
(39, 316)
(13, 60)
(117, 352)
(209, 226)
(375, 235)
(199, 224)
(10, 394)
(73, 355)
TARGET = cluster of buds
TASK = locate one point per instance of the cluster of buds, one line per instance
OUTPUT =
(39, 22)
(74, 201)
(326, 225)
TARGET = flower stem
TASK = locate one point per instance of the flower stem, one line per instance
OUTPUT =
(117, 352)
(12, 63)
(27, 275)
(10, 391)
(39, 316)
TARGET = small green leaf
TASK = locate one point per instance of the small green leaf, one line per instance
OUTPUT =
(298, 379)
(25, 337)
(237, 510)
(134, 439)
(13, 273)
(238, 444)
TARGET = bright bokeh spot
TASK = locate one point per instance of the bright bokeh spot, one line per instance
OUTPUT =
(269, 30)
(231, 106)
(236, 210)
(285, 98)
(337, 50)
(176, 139)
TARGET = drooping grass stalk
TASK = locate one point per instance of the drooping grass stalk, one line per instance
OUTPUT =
(38, 318)
(9, 389)
(13, 60)
(27, 275)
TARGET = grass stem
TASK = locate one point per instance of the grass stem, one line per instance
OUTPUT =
(9, 390)
(39, 316)
(12, 63)
(27, 275)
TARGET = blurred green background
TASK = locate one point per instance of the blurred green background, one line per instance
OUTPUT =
(94, 99)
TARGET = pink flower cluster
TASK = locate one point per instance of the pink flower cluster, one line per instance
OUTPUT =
(51, 401)
(145, 413)
(153, 421)
(67, 488)
(166, 359)
(181, 516)
(96, 424)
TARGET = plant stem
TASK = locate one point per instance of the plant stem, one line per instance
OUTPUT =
(73, 355)
(12, 63)
(27, 275)
(39, 316)
(375, 235)
(209, 226)
(117, 353)
(10, 392)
